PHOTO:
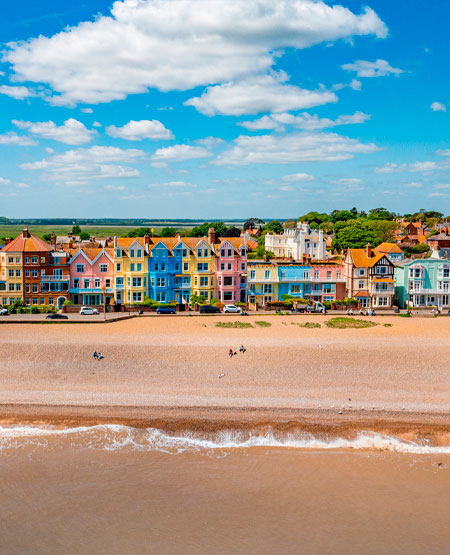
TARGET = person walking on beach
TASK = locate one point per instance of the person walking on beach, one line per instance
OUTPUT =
(242, 349)
(230, 353)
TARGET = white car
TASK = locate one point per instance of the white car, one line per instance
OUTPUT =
(3, 312)
(231, 308)
(88, 310)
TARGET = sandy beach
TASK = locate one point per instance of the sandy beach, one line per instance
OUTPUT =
(164, 372)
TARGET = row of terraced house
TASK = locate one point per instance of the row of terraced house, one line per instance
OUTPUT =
(129, 270)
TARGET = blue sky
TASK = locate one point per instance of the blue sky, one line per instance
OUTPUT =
(200, 109)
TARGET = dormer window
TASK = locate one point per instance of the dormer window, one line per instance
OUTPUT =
(118, 253)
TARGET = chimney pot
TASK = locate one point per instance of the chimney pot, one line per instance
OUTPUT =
(7, 240)
(369, 250)
(211, 235)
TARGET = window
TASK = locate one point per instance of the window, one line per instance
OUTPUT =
(267, 288)
(118, 267)
(18, 260)
(80, 268)
(18, 286)
(86, 283)
(11, 260)
(119, 280)
(139, 253)
(382, 301)
(267, 274)
(227, 281)
(139, 267)
(137, 282)
(132, 253)
(328, 274)
(361, 284)
(42, 300)
(17, 273)
(203, 282)
(205, 253)
(27, 273)
(202, 267)
(222, 253)
(34, 287)
(252, 274)
(103, 268)
(185, 266)
(381, 270)
(229, 266)
(34, 260)
(229, 253)
(118, 253)
(199, 253)
(11, 273)
(361, 272)
(27, 301)
(42, 272)
(295, 289)
(35, 300)
(228, 296)
(107, 282)
(34, 273)
(243, 267)
(205, 294)
(305, 274)
(160, 282)
(137, 296)
(222, 266)
(161, 296)
(446, 272)
(96, 283)
(42, 259)
(11, 286)
(177, 267)
(57, 273)
(50, 301)
(338, 274)
(27, 287)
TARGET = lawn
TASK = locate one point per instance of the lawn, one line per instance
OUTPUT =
(263, 324)
(343, 323)
(233, 325)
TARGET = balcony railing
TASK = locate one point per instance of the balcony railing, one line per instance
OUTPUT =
(425, 291)
(54, 278)
(98, 290)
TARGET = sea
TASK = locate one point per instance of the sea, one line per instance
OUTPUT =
(112, 489)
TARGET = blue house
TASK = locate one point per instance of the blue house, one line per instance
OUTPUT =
(165, 272)
(295, 280)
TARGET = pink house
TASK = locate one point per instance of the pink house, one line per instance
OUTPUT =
(91, 276)
(231, 269)
(328, 282)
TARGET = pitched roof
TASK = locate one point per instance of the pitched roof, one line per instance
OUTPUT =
(388, 248)
(26, 242)
(361, 260)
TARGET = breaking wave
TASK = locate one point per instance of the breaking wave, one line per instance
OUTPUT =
(113, 437)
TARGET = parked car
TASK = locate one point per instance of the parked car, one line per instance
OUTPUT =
(55, 316)
(316, 307)
(209, 309)
(3, 312)
(88, 310)
(166, 310)
(231, 308)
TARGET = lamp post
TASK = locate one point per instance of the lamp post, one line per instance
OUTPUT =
(104, 302)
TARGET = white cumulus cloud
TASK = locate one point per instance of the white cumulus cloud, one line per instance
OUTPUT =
(303, 121)
(19, 93)
(263, 93)
(72, 132)
(379, 68)
(298, 177)
(438, 107)
(178, 44)
(12, 138)
(138, 130)
(292, 148)
(179, 153)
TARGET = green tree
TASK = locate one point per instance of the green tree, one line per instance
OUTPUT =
(384, 230)
(273, 227)
(380, 214)
(342, 216)
(202, 230)
(76, 229)
(352, 234)
(317, 217)
(85, 236)
(140, 232)
(47, 237)
(168, 232)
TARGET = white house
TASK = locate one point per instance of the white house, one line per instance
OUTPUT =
(297, 242)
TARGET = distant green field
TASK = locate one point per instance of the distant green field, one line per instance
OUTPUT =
(12, 231)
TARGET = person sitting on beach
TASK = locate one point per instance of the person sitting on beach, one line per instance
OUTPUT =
(242, 349)
(100, 356)
(94, 354)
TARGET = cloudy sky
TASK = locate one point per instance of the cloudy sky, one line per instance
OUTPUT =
(223, 109)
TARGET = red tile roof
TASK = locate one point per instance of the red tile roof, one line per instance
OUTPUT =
(26, 242)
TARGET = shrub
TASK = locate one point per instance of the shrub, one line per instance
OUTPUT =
(35, 310)
(387, 325)
(343, 323)
(310, 325)
(239, 303)
(263, 324)
(233, 325)
(68, 303)
(12, 309)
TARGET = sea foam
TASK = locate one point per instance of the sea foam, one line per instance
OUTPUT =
(114, 437)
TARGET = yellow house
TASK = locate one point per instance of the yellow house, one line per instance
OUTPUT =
(198, 261)
(262, 282)
(130, 269)
(11, 278)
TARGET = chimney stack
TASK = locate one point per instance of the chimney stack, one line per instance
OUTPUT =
(25, 233)
(7, 240)
(53, 240)
(369, 250)
(211, 236)
(146, 241)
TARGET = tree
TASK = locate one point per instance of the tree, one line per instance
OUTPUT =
(353, 234)
(252, 223)
(202, 230)
(380, 214)
(85, 236)
(384, 230)
(273, 227)
(342, 216)
(76, 230)
(232, 232)
(168, 232)
(317, 217)
(47, 237)
(140, 232)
